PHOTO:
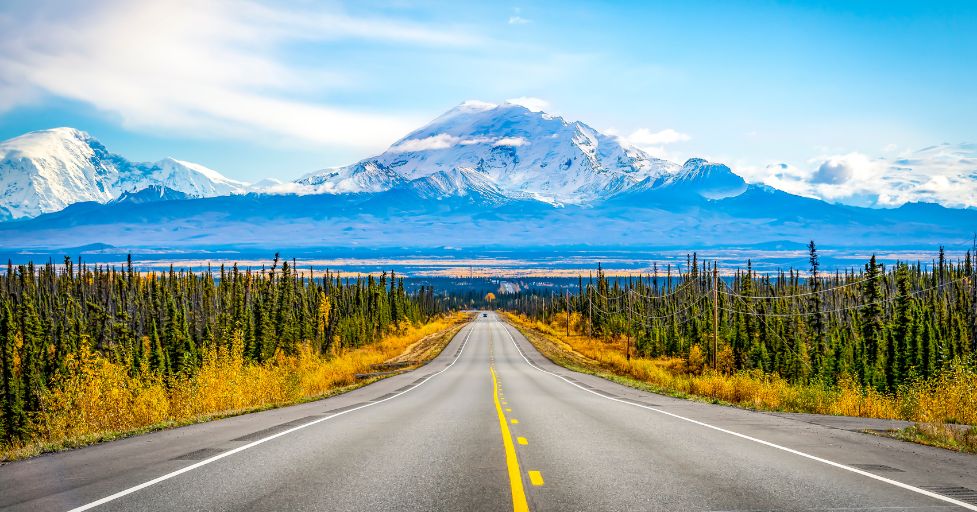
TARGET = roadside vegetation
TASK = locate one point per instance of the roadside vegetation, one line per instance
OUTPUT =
(944, 407)
(93, 353)
(894, 343)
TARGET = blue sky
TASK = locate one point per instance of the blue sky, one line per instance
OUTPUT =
(820, 98)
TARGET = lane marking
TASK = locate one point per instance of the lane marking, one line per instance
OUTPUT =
(228, 453)
(522, 441)
(873, 476)
(519, 503)
(536, 478)
(515, 421)
(508, 409)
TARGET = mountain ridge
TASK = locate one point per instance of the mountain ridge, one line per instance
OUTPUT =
(523, 152)
(480, 175)
(48, 170)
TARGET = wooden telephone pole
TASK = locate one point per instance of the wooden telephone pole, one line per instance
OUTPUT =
(973, 288)
(715, 316)
(628, 348)
(567, 295)
(590, 313)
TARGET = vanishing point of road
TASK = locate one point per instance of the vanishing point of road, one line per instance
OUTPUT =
(490, 424)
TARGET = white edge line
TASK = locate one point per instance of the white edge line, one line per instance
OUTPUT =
(896, 483)
(228, 453)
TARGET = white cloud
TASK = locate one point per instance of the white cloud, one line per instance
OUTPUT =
(643, 137)
(199, 68)
(653, 143)
(533, 104)
(516, 18)
(476, 140)
(511, 141)
(439, 141)
(445, 141)
(944, 174)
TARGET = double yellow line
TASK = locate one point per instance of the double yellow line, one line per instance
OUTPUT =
(519, 503)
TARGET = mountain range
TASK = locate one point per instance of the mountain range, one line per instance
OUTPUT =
(481, 175)
(45, 171)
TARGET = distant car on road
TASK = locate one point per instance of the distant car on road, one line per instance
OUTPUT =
(484, 315)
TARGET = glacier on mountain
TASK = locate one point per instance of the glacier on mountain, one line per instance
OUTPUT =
(521, 153)
(47, 170)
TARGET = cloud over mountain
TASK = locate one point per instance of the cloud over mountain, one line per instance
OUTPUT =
(945, 174)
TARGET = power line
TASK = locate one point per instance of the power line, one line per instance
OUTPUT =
(787, 296)
(838, 310)
(680, 288)
(773, 331)
(674, 313)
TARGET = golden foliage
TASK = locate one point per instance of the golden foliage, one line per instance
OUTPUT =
(950, 397)
(577, 324)
(94, 397)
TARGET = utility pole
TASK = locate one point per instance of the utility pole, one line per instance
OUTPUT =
(628, 348)
(590, 313)
(973, 288)
(715, 316)
(567, 295)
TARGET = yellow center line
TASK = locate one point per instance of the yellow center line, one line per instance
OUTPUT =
(522, 440)
(519, 503)
(536, 478)
(515, 421)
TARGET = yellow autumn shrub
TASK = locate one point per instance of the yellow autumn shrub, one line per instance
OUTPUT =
(950, 397)
(94, 396)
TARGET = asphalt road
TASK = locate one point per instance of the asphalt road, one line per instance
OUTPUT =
(491, 425)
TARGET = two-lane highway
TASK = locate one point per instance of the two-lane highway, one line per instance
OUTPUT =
(491, 425)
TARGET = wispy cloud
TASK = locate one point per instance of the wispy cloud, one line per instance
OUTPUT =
(533, 104)
(646, 137)
(944, 174)
(511, 141)
(445, 141)
(653, 143)
(517, 19)
(439, 141)
(204, 68)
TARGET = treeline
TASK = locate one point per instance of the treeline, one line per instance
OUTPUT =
(165, 323)
(879, 327)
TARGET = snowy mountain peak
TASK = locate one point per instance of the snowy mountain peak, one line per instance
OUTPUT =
(192, 179)
(40, 141)
(522, 152)
(365, 176)
(710, 180)
(463, 182)
(47, 170)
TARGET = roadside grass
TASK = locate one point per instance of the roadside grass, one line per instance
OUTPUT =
(944, 407)
(960, 438)
(100, 400)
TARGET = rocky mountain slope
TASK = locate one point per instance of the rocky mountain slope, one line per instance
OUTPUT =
(47, 170)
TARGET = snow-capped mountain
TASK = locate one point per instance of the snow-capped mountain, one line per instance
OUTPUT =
(478, 151)
(697, 177)
(47, 170)
(461, 182)
(365, 176)
(507, 147)
(480, 175)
